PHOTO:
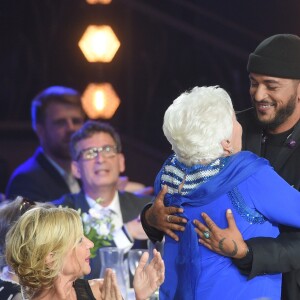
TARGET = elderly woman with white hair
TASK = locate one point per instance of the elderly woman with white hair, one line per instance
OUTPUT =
(209, 173)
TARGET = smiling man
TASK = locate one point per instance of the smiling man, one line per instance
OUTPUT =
(97, 161)
(275, 102)
(271, 128)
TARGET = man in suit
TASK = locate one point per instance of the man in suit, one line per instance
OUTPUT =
(56, 114)
(97, 161)
(270, 129)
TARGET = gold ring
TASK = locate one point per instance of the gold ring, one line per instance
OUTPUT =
(169, 218)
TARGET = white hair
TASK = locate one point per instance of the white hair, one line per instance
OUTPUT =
(197, 122)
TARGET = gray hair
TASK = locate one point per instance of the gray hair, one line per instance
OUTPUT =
(197, 122)
(90, 128)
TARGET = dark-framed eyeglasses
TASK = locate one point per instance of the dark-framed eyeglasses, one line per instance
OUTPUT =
(25, 205)
(107, 151)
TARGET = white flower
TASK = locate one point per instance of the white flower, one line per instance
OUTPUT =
(86, 218)
(95, 213)
(103, 229)
(98, 227)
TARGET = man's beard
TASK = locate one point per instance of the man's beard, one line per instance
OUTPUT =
(281, 115)
(60, 150)
(61, 153)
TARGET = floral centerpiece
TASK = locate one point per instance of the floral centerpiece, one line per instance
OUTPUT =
(98, 227)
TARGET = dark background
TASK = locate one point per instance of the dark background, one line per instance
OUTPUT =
(167, 47)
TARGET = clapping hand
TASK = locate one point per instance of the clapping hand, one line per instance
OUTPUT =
(108, 287)
(148, 277)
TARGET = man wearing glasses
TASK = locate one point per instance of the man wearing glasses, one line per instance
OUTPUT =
(97, 161)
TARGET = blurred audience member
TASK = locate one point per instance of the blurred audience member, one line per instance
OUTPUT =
(56, 114)
(98, 162)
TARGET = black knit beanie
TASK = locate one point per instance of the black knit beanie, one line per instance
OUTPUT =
(277, 56)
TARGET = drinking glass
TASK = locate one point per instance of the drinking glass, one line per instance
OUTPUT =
(112, 257)
(159, 246)
(134, 256)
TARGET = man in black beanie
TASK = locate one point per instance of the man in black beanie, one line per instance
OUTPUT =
(271, 129)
